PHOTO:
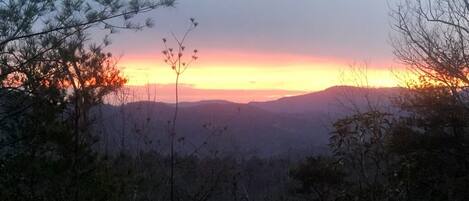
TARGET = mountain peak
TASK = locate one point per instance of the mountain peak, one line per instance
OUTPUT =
(341, 87)
(323, 101)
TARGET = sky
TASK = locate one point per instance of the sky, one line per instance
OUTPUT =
(257, 50)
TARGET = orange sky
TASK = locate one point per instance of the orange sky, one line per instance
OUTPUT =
(251, 76)
(264, 49)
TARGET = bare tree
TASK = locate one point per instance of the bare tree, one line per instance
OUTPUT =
(179, 64)
(433, 40)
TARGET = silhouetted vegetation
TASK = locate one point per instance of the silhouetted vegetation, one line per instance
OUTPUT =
(54, 144)
(419, 152)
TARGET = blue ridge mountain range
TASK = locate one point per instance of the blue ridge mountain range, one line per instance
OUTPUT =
(288, 127)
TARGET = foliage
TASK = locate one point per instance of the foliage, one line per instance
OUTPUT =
(320, 179)
(51, 76)
(419, 151)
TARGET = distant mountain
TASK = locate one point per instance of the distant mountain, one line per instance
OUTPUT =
(229, 128)
(203, 102)
(285, 127)
(330, 100)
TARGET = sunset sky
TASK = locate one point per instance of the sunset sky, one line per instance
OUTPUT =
(255, 50)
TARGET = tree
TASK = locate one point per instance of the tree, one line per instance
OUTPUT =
(420, 151)
(19, 19)
(429, 145)
(50, 78)
(432, 40)
(320, 178)
(50, 142)
(358, 142)
(428, 141)
(175, 59)
(30, 29)
(47, 25)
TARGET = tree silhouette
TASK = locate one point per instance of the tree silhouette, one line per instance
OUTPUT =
(51, 77)
(176, 60)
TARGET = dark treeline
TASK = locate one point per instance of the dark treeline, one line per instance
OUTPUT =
(51, 147)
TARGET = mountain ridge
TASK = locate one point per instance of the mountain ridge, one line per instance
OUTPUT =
(298, 124)
(317, 101)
